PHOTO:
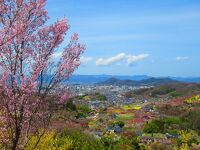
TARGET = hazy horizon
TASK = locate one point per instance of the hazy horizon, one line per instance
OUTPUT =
(134, 75)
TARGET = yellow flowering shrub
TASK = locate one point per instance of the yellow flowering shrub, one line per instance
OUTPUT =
(48, 141)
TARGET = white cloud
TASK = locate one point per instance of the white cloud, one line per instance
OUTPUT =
(130, 59)
(85, 59)
(134, 58)
(180, 58)
(111, 60)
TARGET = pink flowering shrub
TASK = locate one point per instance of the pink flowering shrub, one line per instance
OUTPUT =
(28, 70)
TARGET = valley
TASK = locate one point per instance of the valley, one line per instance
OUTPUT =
(151, 114)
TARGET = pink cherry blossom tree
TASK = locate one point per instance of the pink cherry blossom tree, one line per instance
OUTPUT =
(29, 74)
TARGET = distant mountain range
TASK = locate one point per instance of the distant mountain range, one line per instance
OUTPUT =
(93, 79)
(187, 79)
(146, 82)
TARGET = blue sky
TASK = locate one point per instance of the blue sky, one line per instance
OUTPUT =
(131, 37)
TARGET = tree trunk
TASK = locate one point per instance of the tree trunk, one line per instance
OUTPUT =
(16, 139)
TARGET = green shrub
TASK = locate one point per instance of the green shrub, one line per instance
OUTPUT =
(162, 91)
(70, 106)
(176, 94)
(151, 127)
(119, 123)
(191, 120)
(81, 115)
(83, 109)
(100, 97)
(163, 125)
(109, 143)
